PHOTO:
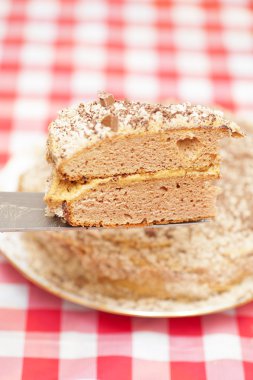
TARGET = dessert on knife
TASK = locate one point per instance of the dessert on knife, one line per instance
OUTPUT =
(122, 163)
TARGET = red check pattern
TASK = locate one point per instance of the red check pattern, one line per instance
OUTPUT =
(56, 52)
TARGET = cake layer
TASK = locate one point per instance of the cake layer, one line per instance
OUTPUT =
(169, 196)
(145, 153)
(104, 139)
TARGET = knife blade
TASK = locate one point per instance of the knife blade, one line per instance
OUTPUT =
(26, 212)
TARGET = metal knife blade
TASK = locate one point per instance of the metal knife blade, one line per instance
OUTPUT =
(26, 212)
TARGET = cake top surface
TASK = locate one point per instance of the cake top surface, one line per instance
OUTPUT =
(84, 124)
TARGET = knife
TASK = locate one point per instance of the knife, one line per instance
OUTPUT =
(26, 212)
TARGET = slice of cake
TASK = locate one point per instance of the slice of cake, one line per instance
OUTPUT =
(118, 163)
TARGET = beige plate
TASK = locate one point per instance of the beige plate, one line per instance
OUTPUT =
(31, 260)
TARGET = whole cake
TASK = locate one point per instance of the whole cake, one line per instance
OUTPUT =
(131, 163)
(185, 263)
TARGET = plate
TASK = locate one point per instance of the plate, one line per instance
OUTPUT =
(33, 262)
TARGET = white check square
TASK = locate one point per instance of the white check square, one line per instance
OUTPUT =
(34, 54)
(5, 8)
(139, 12)
(241, 65)
(193, 63)
(141, 87)
(77, 345)
(29, 108)
(45, 9)
(138, 35)
(237, 40)
(12, 344)
(89, 56)
(222, 346)
(234, 16)
(141, 60)
(13, 296)
(40, 31)
(34, 82)
(91, 32)
(150, 346)
(185, 15)
(186, 38)
(85, 82)
(242, 91)
(91, 10)
(196, 90)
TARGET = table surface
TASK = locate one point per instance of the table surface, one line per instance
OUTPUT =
(53, 53)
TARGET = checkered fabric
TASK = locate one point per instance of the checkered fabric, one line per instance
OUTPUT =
(55, 52)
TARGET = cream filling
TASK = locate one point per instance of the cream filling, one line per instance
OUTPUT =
(60, 190)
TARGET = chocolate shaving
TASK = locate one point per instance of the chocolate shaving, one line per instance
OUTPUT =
(111, 121)
(106, 99)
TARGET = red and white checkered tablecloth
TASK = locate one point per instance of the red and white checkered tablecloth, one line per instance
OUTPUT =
(55, 52)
